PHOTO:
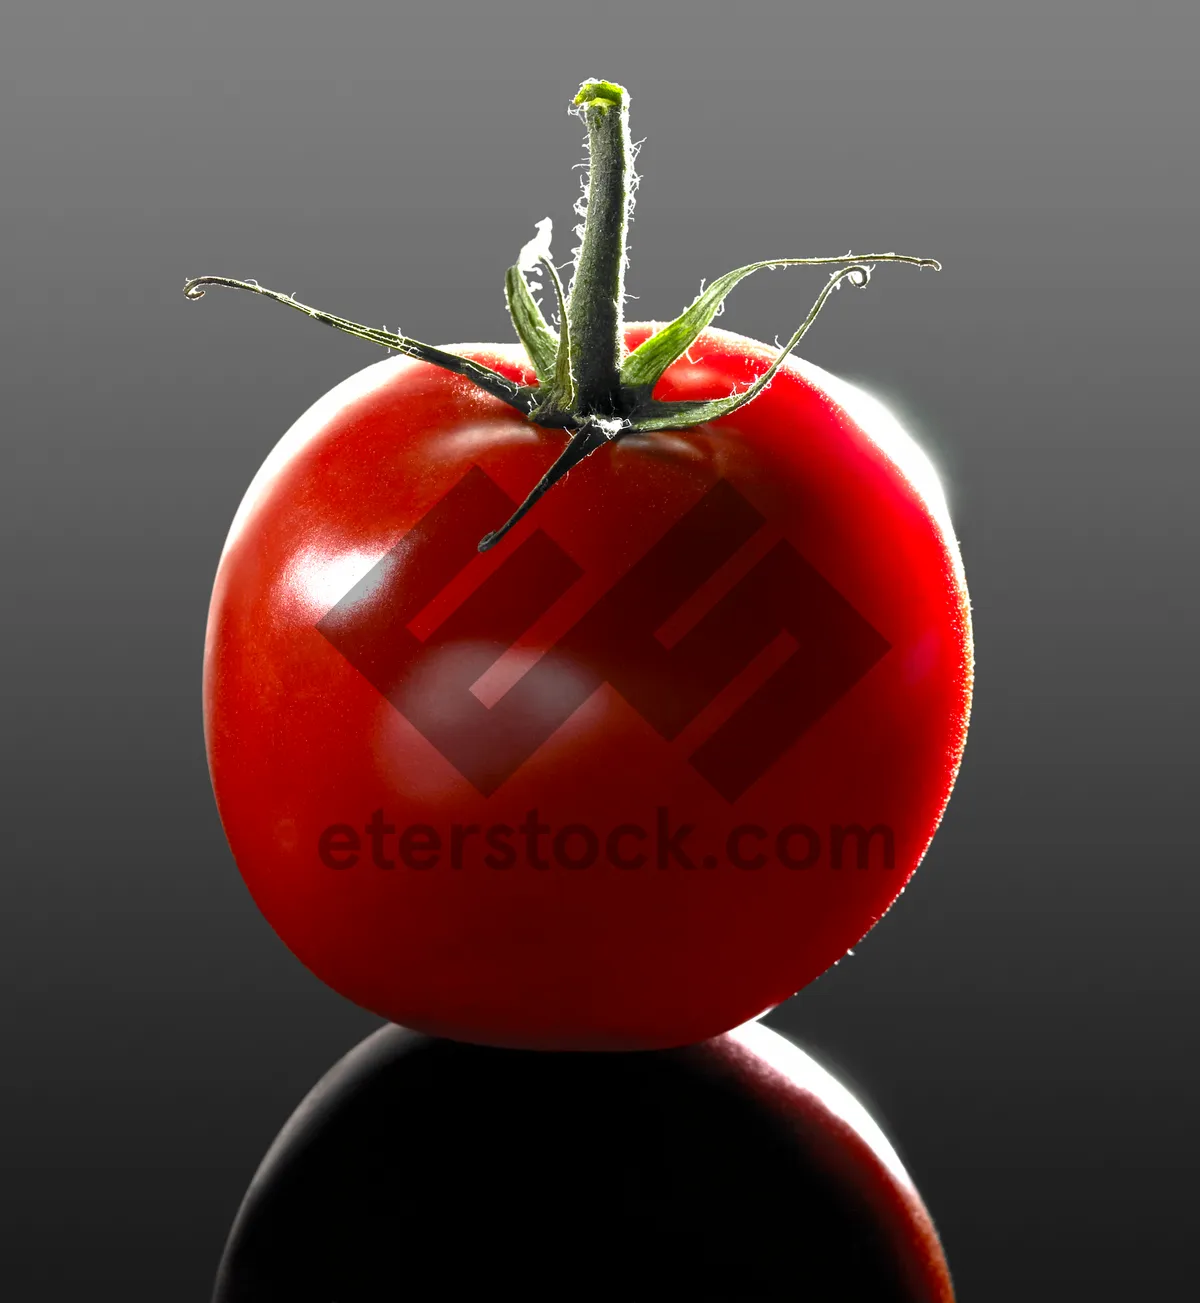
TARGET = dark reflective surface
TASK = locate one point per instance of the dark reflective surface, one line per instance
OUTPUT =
(427, 1169)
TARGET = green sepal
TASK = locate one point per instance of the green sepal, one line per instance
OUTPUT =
(653, 415)
(521, 397)
(540, 342)
(556, 399)
(644, 367)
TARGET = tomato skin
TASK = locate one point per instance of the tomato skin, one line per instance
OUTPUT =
(300, 742)
(737, 1169)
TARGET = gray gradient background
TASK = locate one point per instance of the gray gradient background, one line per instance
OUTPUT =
(1025, 1019)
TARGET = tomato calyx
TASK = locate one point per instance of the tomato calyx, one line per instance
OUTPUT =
(586, 383)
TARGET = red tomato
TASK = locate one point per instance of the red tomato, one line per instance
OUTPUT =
(632, 777)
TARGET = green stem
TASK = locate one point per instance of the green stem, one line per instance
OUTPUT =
(587, 384)
(594, 309)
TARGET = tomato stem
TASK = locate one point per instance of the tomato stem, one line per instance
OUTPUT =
(586, 383)
(597, 293)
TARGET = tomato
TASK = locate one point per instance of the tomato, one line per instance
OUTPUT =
(736, 1169)
(631, 777)
(593, 695)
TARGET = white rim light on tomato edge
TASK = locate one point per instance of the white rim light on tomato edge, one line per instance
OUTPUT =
(802, 1071)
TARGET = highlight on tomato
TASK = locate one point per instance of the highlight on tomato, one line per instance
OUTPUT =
(597, 691)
